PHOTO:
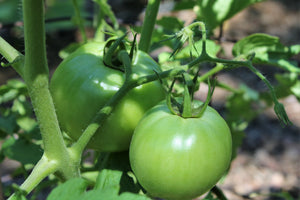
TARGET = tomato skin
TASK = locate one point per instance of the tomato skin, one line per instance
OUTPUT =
(82, 84)
(177, 158)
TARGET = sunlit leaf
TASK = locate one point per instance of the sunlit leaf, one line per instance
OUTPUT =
(215, 12)
(268, 50)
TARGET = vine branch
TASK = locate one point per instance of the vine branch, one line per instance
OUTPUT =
(148, 25)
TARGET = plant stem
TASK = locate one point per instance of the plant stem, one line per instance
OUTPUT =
(211, 72)
(79, 21)
(99, 25)
(148, 25)
(36, 77)
(12, 55)
(37, 80)
(41, 170)
(217, 191)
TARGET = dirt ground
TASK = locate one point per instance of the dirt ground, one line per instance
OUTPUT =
(268, 160)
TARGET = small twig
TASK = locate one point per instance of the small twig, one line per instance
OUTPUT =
(217, 191)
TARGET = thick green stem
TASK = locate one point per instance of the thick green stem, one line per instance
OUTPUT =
(13, 56)
(37, 79)
(148, 25)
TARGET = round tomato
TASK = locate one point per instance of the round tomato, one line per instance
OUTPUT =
(82, 84)
(180, 158)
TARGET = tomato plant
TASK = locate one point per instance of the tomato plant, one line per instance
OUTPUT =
(81, 86)
(99, 97)
(180, 158)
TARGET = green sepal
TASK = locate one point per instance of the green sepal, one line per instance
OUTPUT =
(133, 47)
(110, 56)
(203, 107)
(187, 98)
(171, 100)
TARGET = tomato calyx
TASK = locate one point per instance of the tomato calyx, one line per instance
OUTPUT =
(185, 108)
(112, 50)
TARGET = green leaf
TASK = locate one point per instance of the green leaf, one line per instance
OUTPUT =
(70, 190)
(215, 12)
(109, 179)
(184, 4)
(170, 23)
(244, 100)
(211, 47)
(26, 123)
(7, 94)
(114, 174)
(296, 89)
(268, 50)
(109, 194)
(22, 150)
(21, 106)
(8, 124)
(76, 189)
(288, 83)
(11, 90)
(10, 11)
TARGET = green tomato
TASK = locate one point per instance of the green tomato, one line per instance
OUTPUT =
(82, 84)
(180, 158)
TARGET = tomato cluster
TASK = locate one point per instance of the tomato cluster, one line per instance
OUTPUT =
(173, 157)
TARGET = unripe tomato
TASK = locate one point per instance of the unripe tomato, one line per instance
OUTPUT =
(180, 158)
(82, 84)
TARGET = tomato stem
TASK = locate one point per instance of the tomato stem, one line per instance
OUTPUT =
(36, 76)
(187, 100)
(125, 59)
(79, 20)
(41, 170)
(13, 56)
(217, 191)
(98, 120)
(148, 25)
(278, 107)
